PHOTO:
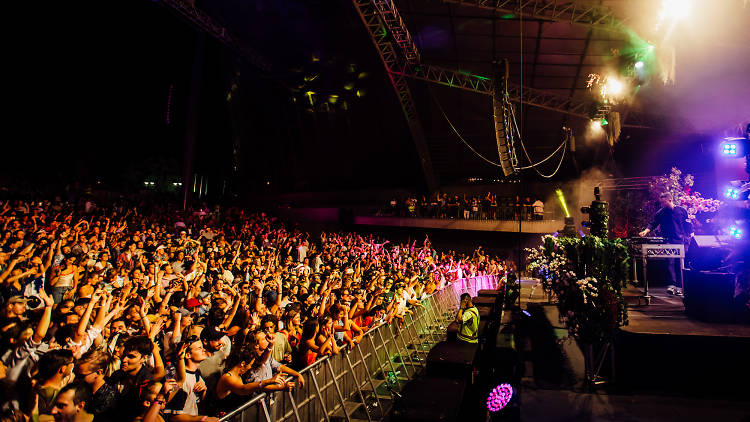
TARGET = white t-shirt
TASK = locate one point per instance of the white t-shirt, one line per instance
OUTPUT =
(185, 402)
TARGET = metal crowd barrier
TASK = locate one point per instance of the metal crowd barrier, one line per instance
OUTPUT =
(359, 384)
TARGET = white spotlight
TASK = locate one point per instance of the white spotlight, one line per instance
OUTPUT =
(614, 87)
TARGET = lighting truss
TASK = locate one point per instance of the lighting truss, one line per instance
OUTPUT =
(573, 12)
(393, 22)
(483, 85)
(371, 17)
(205, 23)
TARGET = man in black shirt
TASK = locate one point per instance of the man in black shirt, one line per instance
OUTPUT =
(675, 228)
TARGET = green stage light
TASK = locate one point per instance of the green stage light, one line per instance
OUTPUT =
(604, 122)
(561, 198)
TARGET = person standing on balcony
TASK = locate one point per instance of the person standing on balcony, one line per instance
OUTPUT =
(538, 206)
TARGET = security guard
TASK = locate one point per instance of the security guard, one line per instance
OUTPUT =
(468, 319)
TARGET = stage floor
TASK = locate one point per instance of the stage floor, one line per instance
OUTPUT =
(666, 315)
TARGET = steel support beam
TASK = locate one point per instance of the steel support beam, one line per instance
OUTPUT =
(569, 11)
(372, 19)
(206, 24)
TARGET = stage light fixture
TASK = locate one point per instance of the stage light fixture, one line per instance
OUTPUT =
(733, 147)
(735, 232)
(732, 193)
(499, 397)
(604, 122)
(639, 65)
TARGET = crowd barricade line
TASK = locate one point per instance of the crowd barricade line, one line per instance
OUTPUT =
(334, 384)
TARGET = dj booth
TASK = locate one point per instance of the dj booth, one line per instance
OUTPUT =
(709, 290)
(643, 249)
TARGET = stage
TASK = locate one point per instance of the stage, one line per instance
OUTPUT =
(664, 350)
(666, 316)
(661, 351)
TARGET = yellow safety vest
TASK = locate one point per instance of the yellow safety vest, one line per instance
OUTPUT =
(468, 331)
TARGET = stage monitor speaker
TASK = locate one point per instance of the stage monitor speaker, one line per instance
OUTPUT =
(451, 333)
(706, 253)
(429, 399)
(709, 296)
(489, 293)
(452, 360)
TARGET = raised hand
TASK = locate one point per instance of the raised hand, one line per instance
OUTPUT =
(48, 301)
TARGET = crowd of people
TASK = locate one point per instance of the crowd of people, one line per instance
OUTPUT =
(483, 207)
(148, 312)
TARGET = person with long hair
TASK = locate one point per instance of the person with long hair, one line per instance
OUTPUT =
(292, 328)
(326, 339)
(231, 391)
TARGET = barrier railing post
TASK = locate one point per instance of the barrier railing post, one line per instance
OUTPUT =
(293, 402)
(338, 389)
(406, 349)
(387, 355)
(369, 378)
(417, 347)
(320, 396)
(390, 359)
(424, 321)
(356, 382)
(265, 411)
(435, 325)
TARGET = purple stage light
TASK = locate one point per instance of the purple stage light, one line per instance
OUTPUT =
(499, 397)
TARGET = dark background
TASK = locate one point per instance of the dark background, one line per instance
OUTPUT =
(90, 83)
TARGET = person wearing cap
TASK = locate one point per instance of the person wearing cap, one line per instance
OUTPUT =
(217, 346)
(15, 309)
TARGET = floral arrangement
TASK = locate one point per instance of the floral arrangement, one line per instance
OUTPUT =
(681, 189)
(632, 210)
(587, 276)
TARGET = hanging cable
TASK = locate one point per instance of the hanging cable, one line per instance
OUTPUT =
(523, 147)
(532, 165)
(564, 142)
(458, 134)
(520, 111)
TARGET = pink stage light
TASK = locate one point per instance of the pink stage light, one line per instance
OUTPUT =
(499, 397)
